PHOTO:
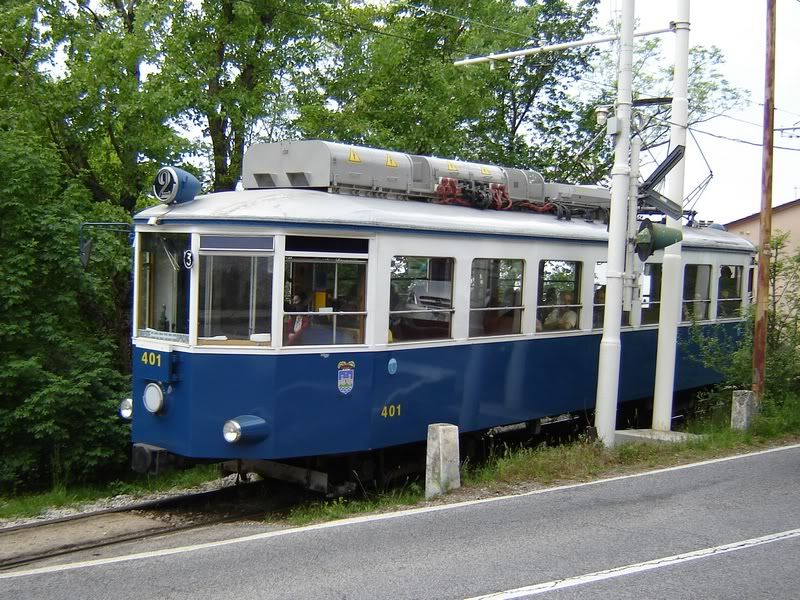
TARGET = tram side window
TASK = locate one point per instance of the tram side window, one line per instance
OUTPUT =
(325, 301)
(496, 297)
(235, 301)
(420, 298)
(696, 297)
(729, 291)
(599, 302)
(559, 295)
(651, 293)
(163, 302)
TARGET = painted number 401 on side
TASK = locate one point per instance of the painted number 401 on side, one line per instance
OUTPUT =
(391, 410)
(152, 359)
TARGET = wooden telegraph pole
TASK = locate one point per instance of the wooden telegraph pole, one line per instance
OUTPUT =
(762, 297)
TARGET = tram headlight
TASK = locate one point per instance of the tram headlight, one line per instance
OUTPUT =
(232, 431)
(153, 398)
(126, 409)
(245, 428)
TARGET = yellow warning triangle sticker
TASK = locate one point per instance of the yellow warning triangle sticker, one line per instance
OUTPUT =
(353, 157)
(451, 166)
(390, 162)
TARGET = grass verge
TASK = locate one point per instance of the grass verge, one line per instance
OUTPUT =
(340, 508)
(31, 505)
(582, 460)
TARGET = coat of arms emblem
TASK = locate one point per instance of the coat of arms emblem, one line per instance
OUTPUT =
(346, 376)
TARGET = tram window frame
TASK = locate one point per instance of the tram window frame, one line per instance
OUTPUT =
(434, 321)
(551, 315)
(652, 274)
(235, 269)
(696, 295)
(496, 302)
(164, 285)
(323, 315)
(599, 297)
(729, 291)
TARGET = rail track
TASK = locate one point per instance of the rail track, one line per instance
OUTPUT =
(30, 543)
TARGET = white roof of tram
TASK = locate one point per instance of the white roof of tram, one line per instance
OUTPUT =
(297, 206)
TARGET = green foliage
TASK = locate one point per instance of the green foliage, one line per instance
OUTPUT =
(58, 387)
(393, 84)
(230, 67)
(33, 504)
(710, 95)
(732, 356)
(341, 508)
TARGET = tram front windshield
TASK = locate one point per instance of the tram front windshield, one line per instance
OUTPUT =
(163, 286)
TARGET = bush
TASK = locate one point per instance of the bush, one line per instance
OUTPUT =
(58, 385)
(733, 356)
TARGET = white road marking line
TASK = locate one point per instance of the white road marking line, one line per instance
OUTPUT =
(370, 518)
(558, 584)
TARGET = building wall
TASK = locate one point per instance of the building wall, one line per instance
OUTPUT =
(785, 218)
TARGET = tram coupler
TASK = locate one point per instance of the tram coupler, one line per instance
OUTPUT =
(152, 459)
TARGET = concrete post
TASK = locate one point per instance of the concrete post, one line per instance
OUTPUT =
(672, 264)
(742, 409)
(442, 462)
(605, 414)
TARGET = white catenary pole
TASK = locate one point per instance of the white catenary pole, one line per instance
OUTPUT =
(672, 273)
(610, 346)
(632, 301)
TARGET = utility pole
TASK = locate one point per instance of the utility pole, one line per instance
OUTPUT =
(605, 414)
(762, 294)
(672, 273)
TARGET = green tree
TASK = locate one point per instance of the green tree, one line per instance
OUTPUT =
(84, 65)
(733, 355)
(58, 384)
(389, 79)
(710, 95)
(69, 154)
(232, 66)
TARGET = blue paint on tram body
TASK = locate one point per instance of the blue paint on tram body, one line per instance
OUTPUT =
(475, 386)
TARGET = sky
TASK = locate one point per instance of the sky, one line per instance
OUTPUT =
(738, 28)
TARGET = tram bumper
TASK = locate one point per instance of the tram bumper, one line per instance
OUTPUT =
(146, 458)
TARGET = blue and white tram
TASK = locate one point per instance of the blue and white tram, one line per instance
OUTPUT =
(319, 312)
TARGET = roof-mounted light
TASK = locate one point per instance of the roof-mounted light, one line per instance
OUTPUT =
(174, 186)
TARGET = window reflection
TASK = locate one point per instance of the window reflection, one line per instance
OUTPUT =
(421, 298)
(325, 301)
(163, 297)
(235, 298)
(696, 297)
(559, 295)
(729, 291)
(651, 293)
(495, 297)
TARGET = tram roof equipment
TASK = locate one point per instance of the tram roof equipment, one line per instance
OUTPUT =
(356, 170)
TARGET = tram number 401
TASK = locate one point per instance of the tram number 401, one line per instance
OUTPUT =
(390, 410)
(152, 359)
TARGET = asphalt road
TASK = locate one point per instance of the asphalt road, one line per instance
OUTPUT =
(724, 529)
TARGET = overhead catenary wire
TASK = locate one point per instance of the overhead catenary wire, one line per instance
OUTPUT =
(462, 19)
(740, 141)
(726, 137)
